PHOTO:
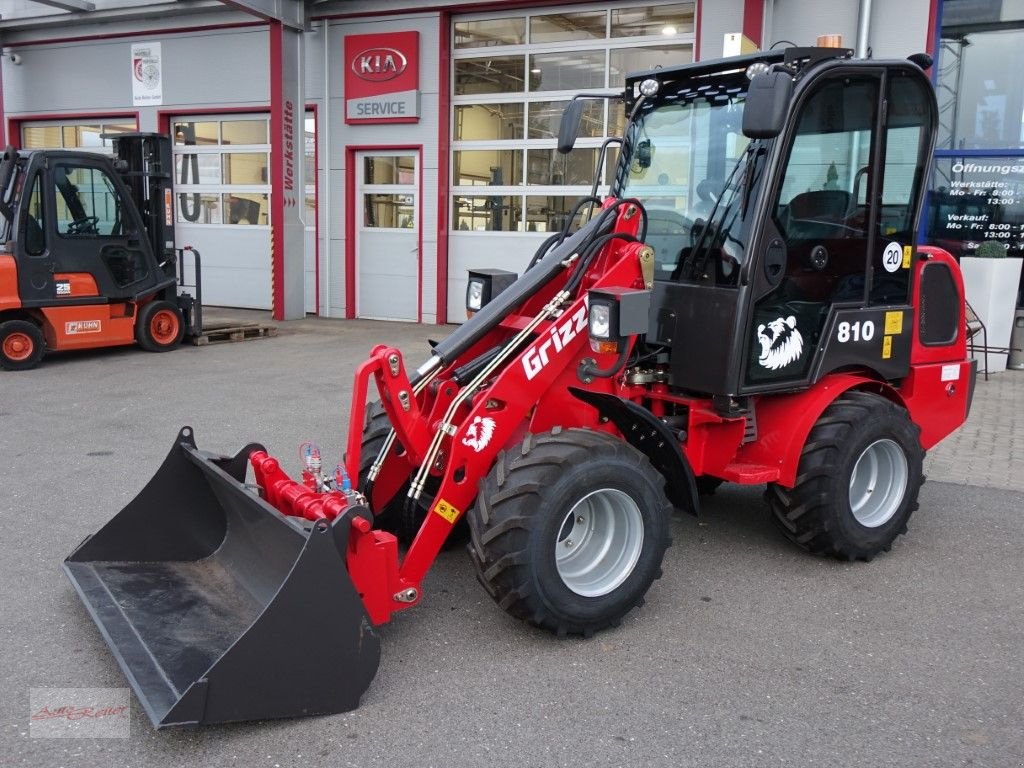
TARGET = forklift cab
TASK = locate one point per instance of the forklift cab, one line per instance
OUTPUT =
(781, 254)
(79, 225)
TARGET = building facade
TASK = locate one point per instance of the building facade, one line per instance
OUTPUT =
(356, 159)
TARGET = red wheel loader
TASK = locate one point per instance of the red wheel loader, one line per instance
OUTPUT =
(746, 306)
(88, 257)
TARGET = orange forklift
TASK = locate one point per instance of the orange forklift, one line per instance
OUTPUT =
(87, 253)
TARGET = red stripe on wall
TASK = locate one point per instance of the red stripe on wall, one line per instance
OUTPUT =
(753, 20)
(443, 160)
(277, 32)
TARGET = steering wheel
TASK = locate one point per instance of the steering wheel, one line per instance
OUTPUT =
(84, 226)
(709, 190)
(668, 231)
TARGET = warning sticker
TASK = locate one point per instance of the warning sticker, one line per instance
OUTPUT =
(447, 511)
(894, 322)
(908, 255)
(887, 347)
(951, 372)
(82, 326)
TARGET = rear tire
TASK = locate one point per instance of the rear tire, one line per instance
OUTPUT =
(160, 326)
(569, 530)
(21, 345)
(858, 480)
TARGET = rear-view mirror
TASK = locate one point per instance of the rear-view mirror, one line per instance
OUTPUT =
(569, 128)
(768, 99)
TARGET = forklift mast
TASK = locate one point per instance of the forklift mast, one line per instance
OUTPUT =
(146, 166)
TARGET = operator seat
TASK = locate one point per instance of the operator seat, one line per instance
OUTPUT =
(35, 240)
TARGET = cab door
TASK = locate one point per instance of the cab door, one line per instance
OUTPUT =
(832, 282)
(94, 230)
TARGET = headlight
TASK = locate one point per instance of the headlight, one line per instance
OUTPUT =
(757, 68)
(600, 321)
(475, 295)
(649, 87)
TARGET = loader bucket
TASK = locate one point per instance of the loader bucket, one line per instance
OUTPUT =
(217, 607)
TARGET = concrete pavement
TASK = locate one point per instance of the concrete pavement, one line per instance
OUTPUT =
(748, 652)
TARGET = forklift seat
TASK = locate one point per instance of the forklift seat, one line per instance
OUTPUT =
(35, 240)
(822, 204)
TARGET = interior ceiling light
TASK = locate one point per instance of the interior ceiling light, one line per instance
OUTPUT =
(668, 30)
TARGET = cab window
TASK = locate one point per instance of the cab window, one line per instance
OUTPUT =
(87, 202)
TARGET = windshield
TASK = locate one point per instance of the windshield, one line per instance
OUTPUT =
(682, 158)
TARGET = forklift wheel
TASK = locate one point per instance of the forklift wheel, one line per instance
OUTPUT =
(569, 530)
(858, 480)
(21, 345)
(160, 326)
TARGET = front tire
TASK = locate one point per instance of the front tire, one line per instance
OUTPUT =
(858, 480)
(392, 517)
(569, 530)
(160, 326)
(21, 345)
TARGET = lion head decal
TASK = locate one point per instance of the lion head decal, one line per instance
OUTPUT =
(781, 343)
(480, 432)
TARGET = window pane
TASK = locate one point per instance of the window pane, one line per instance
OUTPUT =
(245, 168)
(548, 214)
(574, 71)
(488, 167)
(488, 214)
(389, 211)
(983, 192)
(197, 169)
(664, 20)
(490, 32)
(627, 60)
(82, 136)
(196, 133)
(244, 132)
(119, 128)
(246, 208)
(86, 202)
(558, 27)
(488, 122)
(546, 116)
(499, 74)
(398, 169)
(980, 89)
(41, 137)
(202, 209)
(547, 166)
(35, 220)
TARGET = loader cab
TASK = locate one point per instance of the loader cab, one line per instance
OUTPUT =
(77, 233)
(783, 253)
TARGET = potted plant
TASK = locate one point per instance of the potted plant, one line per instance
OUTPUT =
(990, 282)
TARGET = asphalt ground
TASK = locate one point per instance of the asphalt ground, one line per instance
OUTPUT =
(748, 652)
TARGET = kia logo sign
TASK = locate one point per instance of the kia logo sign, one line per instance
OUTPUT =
(379, 64)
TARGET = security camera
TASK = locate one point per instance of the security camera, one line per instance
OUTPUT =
(16, 59)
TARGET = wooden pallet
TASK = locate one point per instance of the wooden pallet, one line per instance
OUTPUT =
(223, 332)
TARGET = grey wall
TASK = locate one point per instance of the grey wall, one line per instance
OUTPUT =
(201, 69)
(897, 29)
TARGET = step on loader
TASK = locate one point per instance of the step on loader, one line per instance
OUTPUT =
(747, 305)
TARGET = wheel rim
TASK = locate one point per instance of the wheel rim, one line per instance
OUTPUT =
(878, 483)
(163, 327)
(599, 542)
(18, 346)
